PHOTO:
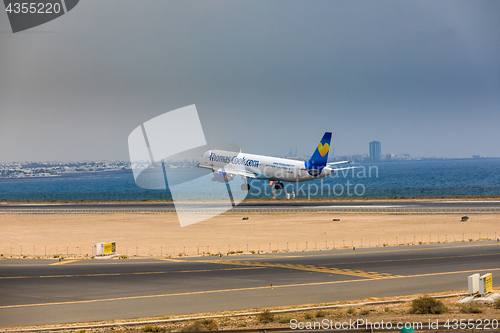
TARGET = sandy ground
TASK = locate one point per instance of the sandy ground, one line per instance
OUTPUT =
(159, 234)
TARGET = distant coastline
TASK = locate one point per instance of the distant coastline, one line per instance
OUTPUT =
(83, 173)
(69, 174)
(429, 159)
(30, 173)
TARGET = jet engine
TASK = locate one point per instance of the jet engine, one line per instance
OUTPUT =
(221, 177)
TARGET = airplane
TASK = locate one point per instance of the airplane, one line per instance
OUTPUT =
(226, 165)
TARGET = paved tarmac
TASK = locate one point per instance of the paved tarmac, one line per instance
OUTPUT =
(35, 292)
(358, 205)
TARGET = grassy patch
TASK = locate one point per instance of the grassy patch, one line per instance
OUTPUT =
(427, 305)
(151, 328)
(471, 308)
(284, 320)
(320, 314)
(351, 311)
(497, 303)
(265, 317)
(365, 312)
(201, 325)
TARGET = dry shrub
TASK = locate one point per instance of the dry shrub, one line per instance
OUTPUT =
(201, 325)
(471, 308)
(427, 305)
(265, 317)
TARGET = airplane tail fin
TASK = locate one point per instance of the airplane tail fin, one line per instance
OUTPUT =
(320, 156)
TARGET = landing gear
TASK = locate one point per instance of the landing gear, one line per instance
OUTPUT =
(245, 186)
(278, 186)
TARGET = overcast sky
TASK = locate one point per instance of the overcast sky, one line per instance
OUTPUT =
(422, 77)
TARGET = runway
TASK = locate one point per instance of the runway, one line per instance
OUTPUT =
(291, 205)
(38, 292)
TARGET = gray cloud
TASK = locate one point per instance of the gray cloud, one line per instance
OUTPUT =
(421, 77)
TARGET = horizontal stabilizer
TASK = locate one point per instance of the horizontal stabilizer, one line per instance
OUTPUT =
(348, 168)
(340, 162)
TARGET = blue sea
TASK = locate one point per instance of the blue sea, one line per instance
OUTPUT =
(458, 177)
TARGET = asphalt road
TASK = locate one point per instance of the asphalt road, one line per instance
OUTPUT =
(34, 292)
(452, 205)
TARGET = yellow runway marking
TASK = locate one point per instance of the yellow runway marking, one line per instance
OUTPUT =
(413, 259)
(310, 268)
(65, 262)
(236, 289)
(119, 274)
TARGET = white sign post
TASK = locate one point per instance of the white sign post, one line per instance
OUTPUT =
(473, 284)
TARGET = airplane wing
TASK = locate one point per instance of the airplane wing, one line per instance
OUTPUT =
(239, 172)
(232, 171)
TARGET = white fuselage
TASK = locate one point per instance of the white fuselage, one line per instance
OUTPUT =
(264, 167)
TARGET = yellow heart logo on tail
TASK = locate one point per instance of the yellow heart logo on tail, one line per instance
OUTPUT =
(323, 149)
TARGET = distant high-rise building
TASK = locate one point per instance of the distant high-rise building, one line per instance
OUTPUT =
(375, 151)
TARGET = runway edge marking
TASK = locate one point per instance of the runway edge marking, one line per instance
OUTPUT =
(121, 274)
(64, 262)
